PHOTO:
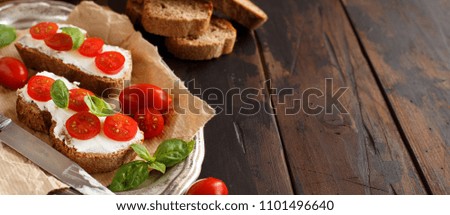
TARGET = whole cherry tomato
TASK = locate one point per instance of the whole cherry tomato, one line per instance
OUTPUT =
(139, 96)
(208, 186)
(13, 73)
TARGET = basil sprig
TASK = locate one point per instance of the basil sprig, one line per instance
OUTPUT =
(60, 94)
(7, 35)
(169, 153)
(76, 35)
(98, 106)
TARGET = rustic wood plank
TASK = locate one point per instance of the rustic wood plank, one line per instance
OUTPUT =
(243, 150)
(304, 42)
(407, 43)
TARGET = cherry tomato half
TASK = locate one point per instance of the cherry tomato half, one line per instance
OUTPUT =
(13, 73)
(43, 30)
(39, 88)
(150, 121)
(110, 62)
(83, 125)
(91, 47)
(139, 96)
(59, 42)
(76, 99)
(208, 186)
(120, 127)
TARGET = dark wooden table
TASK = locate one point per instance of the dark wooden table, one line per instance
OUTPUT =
(393, 59)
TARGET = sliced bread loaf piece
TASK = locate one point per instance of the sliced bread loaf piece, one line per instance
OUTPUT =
(244, 12)
(96, 155)
(218, 40)
(176, 18)
(74, 66)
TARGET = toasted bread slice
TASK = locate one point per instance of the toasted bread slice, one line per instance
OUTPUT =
(176, 18)
(244, 12)
(73, 66)
(42, 119)
(218, 40)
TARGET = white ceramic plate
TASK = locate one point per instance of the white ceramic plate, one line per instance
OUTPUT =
(24, 14)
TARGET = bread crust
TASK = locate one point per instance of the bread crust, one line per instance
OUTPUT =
(244, 12)
(173, 26)
(92, 162)
(197, 49)
(30, 114)
(102, 86)
(41, 121)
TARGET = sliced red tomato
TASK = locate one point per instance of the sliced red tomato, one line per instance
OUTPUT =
(13, 73)
(43, 30)
(110, 62)
(39, 88)
(83, 125)
(91, 47)
(139, 96)
(120, 127)
(59, 42)
(76, 99)
(208, 186)
(150, 121)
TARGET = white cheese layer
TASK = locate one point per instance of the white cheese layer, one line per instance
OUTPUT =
(73, 57)
(98, 144)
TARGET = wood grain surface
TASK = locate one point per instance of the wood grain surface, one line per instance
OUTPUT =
(242, 149)
(360, 152)
(407, 42)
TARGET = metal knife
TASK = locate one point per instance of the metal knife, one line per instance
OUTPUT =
(49, 158)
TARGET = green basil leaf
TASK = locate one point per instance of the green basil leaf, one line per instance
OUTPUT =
(129, 176)
(60, 94)
(173, 151)
(76, 34)
(158, 167)
(7, 35)
(98, 106)
(142, 152)
(191, 145)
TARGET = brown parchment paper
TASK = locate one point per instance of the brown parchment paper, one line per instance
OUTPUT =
(19, 176)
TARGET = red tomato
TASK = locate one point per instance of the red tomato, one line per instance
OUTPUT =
(76, 99)
(83, 125)
(139, 96)
(13, 73)
(150, 121)
(39, 88)
(120, 127)
(208, 186)
(43, 30)
(91, 47)
(110, 62)
(59, 42)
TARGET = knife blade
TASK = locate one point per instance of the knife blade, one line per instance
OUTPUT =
(49, 158)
